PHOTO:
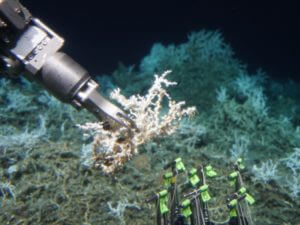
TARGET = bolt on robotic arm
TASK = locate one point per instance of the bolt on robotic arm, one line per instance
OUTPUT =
(29, 47)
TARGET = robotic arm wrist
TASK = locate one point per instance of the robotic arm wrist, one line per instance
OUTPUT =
(30, 47)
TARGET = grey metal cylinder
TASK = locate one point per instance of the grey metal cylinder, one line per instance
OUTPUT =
(62, 76)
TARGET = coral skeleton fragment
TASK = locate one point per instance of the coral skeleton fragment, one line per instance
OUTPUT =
(111, 149)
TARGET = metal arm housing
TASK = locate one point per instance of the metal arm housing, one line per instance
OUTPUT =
(29, 47)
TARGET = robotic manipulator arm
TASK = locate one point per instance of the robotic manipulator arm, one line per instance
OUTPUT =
(29, 47)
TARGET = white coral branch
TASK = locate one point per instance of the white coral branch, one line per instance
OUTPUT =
(113, 148)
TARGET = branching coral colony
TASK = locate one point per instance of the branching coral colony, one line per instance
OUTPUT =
(112, 148)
